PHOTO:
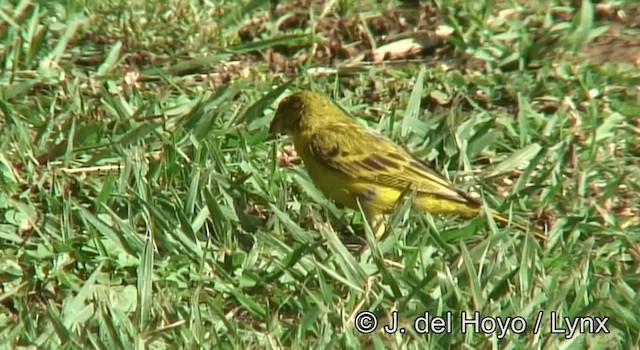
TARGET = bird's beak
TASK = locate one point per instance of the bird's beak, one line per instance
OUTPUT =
(275, 128)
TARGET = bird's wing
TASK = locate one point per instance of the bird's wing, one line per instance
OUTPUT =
(366, 155)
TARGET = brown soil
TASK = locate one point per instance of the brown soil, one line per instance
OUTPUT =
(342, 37)
(621, 42)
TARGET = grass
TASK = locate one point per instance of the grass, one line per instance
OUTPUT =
(143, 203)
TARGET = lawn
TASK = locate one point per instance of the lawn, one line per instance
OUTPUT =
(143, 203)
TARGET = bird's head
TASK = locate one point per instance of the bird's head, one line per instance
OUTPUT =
(299, 111)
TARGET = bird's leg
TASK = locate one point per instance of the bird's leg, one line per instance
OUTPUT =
(374, 217)
(379, 228)
(377, 224)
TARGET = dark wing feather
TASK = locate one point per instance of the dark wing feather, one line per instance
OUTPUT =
(365, 155)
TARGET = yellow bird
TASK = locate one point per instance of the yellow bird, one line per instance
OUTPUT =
(350, 163)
